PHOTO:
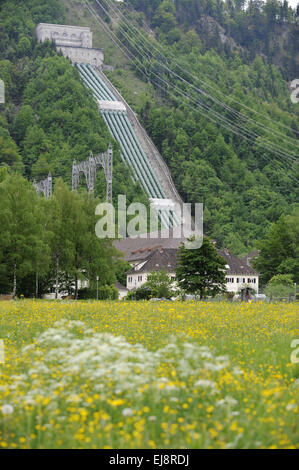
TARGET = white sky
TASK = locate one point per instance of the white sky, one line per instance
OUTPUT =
(292, 3)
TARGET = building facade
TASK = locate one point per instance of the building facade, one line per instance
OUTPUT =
(157, 259)
(239, 273)
(122, 290)
(74, 42)
(154, 254)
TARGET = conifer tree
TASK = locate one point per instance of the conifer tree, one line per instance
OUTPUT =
(201, 271)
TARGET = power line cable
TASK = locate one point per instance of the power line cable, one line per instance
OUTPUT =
(152, 46)
(267, 145)
(121, 47)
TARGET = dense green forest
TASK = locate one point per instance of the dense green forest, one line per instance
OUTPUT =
(208, 57)
(254, 27)
(49, 118)
(240, 57)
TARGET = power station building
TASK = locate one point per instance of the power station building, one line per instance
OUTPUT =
(75, 42)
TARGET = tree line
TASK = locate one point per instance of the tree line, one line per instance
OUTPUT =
(49, 245)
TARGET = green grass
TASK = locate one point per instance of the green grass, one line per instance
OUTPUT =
(148, 375)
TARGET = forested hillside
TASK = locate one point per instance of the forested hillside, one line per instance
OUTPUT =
(223, 119)
(210, 86)
(49, 118)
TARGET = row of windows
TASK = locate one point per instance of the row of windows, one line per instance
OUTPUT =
(241, 280)
(228, 279)
(130, 279)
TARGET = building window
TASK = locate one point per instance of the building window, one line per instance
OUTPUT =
(129, 279)
(139, 278)
(254, 280)
(237, 280)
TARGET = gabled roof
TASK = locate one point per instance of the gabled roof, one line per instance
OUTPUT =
(166, 258)
(250, 257)
(235, 265)
(157, 260)
(159, 252)
(139, 248)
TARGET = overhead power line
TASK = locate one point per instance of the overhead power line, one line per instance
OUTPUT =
(231, 126)
(165, 60)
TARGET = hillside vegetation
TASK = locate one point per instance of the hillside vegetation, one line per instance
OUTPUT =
(212, 87)
(242, 58)
(49, 118)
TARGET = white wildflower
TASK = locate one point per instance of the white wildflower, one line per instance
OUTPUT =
(7, 409)
(205, 384)
(152, 418)
(291, 406)
(227, 401)
(237, 371)
(127, 412)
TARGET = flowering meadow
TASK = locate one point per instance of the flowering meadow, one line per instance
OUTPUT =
(148, 375)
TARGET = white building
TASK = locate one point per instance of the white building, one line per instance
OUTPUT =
(156, 260)
(239, 274)
(75, 42)
(153, 254)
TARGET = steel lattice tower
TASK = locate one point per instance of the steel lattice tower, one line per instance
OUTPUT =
(89, 169)
(44, 186)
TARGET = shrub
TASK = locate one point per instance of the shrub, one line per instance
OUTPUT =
(104, 293)
(142, 293)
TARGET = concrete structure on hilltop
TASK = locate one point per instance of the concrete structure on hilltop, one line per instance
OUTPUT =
(75, 42)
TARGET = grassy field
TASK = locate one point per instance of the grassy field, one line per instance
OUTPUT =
(148, 375)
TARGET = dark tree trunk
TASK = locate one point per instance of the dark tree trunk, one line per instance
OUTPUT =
(76, 286)
(56, 280)
(14, 281)
(36, 285)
